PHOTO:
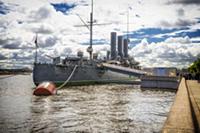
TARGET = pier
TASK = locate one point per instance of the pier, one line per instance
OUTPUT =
(161, 82)
(184, 115)
(168, 80)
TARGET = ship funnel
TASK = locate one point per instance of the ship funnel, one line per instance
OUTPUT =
(120, 46)
(113, 45)
(125, 48)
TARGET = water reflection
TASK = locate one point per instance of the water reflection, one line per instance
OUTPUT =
(105, 108)
(15, 102)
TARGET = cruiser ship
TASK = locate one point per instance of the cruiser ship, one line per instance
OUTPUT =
(80, 70)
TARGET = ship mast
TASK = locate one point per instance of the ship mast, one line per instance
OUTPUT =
(90, 49)
(36, 47)
(127, 24)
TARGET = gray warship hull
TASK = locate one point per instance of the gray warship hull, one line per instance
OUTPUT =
(84, 74)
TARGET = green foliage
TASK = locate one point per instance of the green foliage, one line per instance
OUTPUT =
(195, 67)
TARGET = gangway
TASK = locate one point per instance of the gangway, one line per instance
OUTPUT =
(124, 70)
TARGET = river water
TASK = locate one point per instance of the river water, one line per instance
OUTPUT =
(95, 108)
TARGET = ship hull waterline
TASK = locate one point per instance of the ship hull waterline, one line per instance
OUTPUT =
(83, 75)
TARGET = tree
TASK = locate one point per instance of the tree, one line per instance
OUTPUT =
(195, 68)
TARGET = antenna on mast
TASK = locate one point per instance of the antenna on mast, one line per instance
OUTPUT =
(127, 34)
(90, 28)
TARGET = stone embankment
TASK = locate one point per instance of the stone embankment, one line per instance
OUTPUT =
(184, 115)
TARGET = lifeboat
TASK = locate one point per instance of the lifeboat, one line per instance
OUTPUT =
(45, 89)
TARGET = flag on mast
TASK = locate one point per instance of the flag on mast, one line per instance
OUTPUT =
(36, 41)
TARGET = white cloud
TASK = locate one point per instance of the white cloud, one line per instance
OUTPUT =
(183, 40)
(47, 41)
(59, 36)
(179, 52)
(42, 28)
(42, 13)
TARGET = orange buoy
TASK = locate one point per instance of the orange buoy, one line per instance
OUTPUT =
(45, 89)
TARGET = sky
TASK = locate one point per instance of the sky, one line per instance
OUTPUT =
(162, 33)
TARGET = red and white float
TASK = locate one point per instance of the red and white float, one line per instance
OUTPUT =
(45, 89)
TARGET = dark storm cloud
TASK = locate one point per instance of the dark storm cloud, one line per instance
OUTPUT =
(180, 12)
(65, 51)
(186, 2)
(22, 55)
(42, 29)
(15, 43)
(41, 13)
(10, 43)
(178, 23)
(2, 41)
(3, 8)
(47, 41)
(184, 22)
(173, 56)
(2, 57)
(11, 46)
(51, 41)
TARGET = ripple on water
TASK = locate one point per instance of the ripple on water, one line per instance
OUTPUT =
(94, 108)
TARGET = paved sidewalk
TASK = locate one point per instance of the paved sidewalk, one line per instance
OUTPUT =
(180, 119)
(194, 93)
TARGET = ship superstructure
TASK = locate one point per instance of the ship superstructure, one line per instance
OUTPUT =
(88, 70)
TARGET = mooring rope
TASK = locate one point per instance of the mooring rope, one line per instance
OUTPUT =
(68, 78)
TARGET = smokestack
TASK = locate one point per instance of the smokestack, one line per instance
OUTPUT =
(125, 48)
(113, 45)
(120, 46)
